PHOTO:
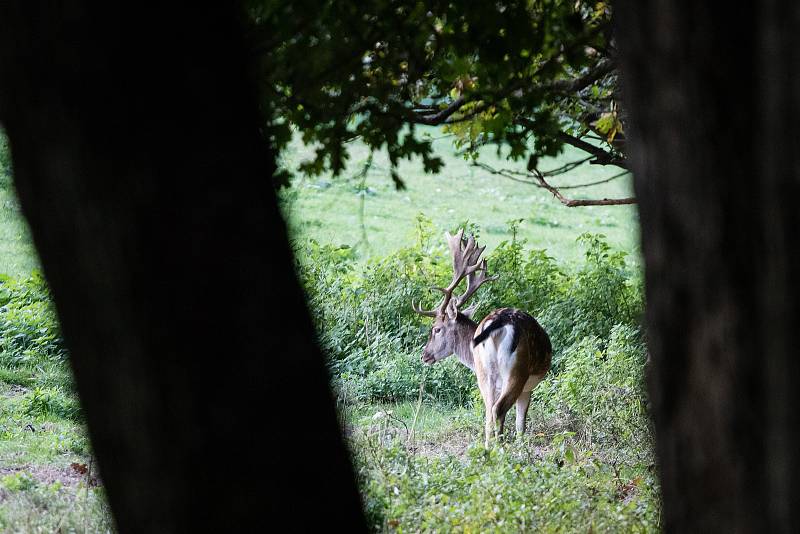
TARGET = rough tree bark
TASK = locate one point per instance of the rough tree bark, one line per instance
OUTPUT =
(140, 169)
(712, 93)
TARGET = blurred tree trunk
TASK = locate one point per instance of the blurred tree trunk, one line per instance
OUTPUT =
(713, 102)
(140, 169)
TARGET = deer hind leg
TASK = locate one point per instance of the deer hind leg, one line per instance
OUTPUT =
(522, 404)
(508, 397)
(487, 392)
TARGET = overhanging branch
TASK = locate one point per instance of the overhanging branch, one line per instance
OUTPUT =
(536, 178)
(573, 203)
(602, 157)
(574, 85)
(423, 115)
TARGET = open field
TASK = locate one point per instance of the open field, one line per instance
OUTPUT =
(329, 209)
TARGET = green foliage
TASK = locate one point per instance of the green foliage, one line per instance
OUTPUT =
(29, 505)
(51, 402)
(373, 338)
(586, 465)
(601, 294)
(18, 482)
(41, 427)
(600, 393)
(29, 332)
(367, 326)
(557, 488)
(491, 72)
(32, 352)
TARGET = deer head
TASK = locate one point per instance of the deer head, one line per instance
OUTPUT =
(451, 320)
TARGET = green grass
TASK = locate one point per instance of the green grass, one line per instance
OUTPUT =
(42, 488)
(437, 476)
(329, 209)
(17, 253)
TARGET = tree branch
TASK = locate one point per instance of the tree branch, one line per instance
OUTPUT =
(604, 157)
(572, 203)
(540, 181)
(440, 117)
(561, 86)
(606, 66)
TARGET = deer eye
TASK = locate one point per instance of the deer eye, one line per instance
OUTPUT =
(437, 330)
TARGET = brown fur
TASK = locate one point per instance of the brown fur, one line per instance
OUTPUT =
(533, 358)
(454, 332)
(530, 340)
(531, 344)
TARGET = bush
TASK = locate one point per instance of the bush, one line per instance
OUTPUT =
(32, 352)
(373, 338)
(51, 402)
(600, 392)
(29, 332)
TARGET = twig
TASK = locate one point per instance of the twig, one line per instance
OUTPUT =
(516, 175)
(598, 182)
(362, 191)
(412, 435)
(393, 417)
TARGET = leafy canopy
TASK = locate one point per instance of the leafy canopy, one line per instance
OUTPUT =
(528, 75)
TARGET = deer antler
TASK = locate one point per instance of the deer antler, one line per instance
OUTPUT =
(466, 254)
(427, 313)
(475, 280)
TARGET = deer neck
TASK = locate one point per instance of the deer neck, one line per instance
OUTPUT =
(465, 331)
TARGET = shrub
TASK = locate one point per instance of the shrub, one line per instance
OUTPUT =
(29, 332)
(32, 352)
(600, 391)
(373, 339)
(51, 402)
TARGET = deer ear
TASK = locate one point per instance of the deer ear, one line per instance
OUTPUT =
(469, 312)
(451, 310)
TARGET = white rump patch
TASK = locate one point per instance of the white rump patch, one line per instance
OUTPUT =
(495, 357)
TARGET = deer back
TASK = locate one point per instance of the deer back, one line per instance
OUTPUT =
(530, 342)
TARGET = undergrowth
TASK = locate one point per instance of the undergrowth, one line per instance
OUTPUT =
(32, 352)
(587, 463)
(373, 338)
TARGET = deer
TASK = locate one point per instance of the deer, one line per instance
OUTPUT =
(509, 352)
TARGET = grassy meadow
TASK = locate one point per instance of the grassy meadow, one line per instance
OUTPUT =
(377, 219)
(364, 250)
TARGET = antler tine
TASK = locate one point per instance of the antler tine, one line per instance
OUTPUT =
(466, 255)
(475, 280)
(426, 313)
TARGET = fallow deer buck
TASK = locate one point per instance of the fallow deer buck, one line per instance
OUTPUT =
(508, 350)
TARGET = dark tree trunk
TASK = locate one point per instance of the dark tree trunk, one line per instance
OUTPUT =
(713, 102)
(139, 166)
